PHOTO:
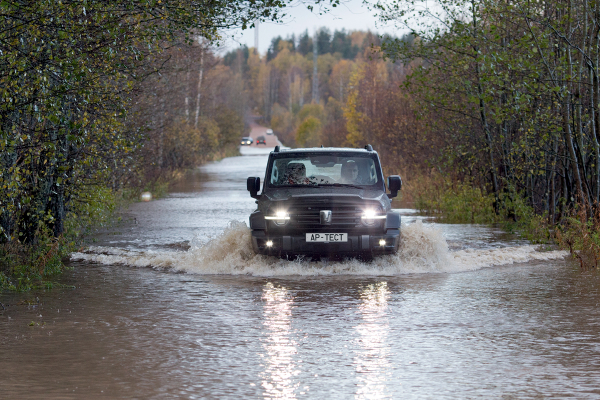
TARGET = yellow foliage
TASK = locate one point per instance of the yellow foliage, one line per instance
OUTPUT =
(308, 133)
(186, 146)
(340, 77)
(281, 120)
(311, 110)
(351, 113)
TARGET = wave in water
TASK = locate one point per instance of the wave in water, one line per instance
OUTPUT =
(423, 250)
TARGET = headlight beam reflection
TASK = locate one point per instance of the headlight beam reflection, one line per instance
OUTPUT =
(372, 360)
(280, 347)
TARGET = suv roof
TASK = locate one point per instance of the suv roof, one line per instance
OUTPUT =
(322, 149)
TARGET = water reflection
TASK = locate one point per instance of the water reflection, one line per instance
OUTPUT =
(372, 362)
(280, 346)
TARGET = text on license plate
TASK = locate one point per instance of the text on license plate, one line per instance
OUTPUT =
(326, 237)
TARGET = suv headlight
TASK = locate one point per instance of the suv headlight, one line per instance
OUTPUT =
(370, 217)
(279, 218)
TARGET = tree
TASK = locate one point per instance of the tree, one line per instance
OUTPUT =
(309, 132)
(513, 90)
(305, 44)
(67, 72)
(342, 43)
(323, 40)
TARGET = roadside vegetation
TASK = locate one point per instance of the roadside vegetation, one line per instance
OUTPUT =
(510, 92)
(100, 100)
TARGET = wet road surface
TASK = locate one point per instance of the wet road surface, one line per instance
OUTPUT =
(170, 304)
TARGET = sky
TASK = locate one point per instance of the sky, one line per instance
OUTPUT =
(350, 15)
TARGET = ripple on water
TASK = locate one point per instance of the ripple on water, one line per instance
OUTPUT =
(424, 250)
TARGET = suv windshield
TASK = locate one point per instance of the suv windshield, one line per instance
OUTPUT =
(323, 170)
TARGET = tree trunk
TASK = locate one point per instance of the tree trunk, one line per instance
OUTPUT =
(199, 88)
(315, 81)
(187, 96)
(482, 114)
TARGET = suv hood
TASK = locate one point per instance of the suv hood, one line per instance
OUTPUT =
(333, 195)
(321, 192)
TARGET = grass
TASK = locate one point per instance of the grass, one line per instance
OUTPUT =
(25, 267)
(455, 202)
(461, 202)
(580, 234)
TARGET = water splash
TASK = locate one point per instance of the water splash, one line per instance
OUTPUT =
(424, 250)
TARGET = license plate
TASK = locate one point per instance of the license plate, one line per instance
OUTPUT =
(326, 237)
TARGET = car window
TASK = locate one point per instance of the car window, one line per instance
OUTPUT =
(323, 170)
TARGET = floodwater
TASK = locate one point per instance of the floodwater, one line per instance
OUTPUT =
(172, 303)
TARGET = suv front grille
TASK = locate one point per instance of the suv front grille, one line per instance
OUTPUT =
(341, 216)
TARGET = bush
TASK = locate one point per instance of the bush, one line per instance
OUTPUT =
(32, 266)
(309, 132)
(453, 201)
(581, 235)
(459, 202)
(186, 146)
(26, 267)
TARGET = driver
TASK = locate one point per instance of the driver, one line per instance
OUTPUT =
(296, 174)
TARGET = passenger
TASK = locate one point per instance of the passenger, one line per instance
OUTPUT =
(350, 172)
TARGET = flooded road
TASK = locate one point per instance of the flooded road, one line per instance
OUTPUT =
(172, 303)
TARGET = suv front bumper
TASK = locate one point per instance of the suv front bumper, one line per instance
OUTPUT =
(357, 245)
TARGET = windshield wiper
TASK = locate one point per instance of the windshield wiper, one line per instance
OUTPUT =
(295, 185)
(341, 185)
(316, 185)
(302, 185)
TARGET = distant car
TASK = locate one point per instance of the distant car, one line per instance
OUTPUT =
(261, 140)
(269, 131)
(246, 141)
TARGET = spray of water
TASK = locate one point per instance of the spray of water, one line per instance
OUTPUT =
(424, 250)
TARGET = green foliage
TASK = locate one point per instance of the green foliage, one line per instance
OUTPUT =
(454, 202)
(580, 233)
(518, 216)
(93, 208)
(71, 72)
(68, 71)
(186, 146)
(459, 202)
(311, 110)
(231, 127)
(308, 133)
(24, 267)
(509, 93)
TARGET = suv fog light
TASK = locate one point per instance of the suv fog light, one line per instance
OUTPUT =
(382, 242)
(269, 243)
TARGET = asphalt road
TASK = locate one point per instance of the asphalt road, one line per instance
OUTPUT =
(257, 130)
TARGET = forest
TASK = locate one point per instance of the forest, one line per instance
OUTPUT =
(488, 109)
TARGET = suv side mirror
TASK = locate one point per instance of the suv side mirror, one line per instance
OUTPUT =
(253, 186)
(394, 183)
